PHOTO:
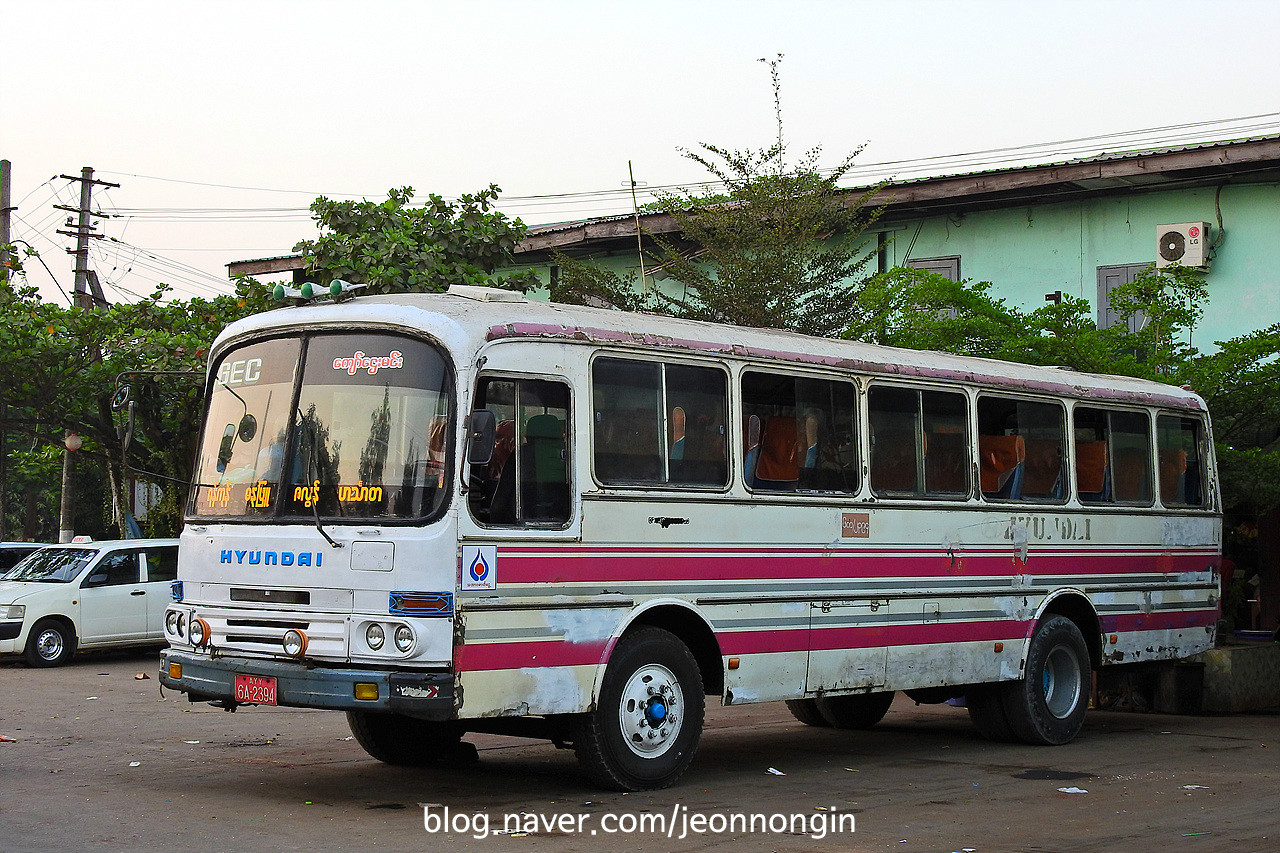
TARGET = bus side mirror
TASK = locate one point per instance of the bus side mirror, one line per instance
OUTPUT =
(481, 436)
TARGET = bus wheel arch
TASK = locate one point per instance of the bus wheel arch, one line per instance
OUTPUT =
(1074, 605)
(690, 628)
(643, 729)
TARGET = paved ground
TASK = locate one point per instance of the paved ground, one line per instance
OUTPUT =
(102, 761)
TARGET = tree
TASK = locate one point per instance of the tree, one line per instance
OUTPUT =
(772, 245)
(60, 374)
(392, 247)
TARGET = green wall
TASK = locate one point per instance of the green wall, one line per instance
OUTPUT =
(1028, 251)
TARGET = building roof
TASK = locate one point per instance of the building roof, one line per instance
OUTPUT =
(1250, 159)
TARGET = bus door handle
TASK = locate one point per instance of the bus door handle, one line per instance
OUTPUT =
(666, 521)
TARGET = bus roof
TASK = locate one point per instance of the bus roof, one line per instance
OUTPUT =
(466, 318)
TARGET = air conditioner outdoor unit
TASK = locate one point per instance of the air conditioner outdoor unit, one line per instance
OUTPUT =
(1186, 243)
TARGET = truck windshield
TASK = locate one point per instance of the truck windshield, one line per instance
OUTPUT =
(340, 425)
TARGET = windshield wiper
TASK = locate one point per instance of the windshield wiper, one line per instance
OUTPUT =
(308, 434)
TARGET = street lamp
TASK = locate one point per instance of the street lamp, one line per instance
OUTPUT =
(66, 525)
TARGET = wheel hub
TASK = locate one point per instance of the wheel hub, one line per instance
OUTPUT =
(49, 645)
(649, 713)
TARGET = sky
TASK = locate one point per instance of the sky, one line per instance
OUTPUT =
(223, 120)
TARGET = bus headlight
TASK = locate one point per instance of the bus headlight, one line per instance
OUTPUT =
(182, 625)
(404, 638)
(171, 622)
(295, 643)
(15, 611)
(374, 636)
(199, 634)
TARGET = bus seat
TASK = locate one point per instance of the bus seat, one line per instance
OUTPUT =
(893, 461)
(1042, 473)
(1000, 464)
(1131, 478)
(778, 466)
(1173, 469)
(627, 449)
(546, 486)
(946, 463)
(1091, 470)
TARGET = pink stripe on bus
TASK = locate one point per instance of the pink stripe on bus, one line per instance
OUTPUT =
(564, 566)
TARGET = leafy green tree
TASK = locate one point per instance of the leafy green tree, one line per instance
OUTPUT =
(772, 245)
(60, 375)
(393, 247)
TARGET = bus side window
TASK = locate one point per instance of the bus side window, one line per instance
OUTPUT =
(1113, 456)
(798, 434)
(526, 481)
(1020, 449)
(919, 443)
(1182, 476)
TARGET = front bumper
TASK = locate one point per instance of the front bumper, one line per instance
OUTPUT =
(423, 695)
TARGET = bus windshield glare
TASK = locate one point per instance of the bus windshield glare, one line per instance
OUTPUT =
(337, 425)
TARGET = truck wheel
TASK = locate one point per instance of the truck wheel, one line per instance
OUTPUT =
(405, 741)
(859, 711)
(806, 711)
(51, 643)
(645, 727)
(1048, 706)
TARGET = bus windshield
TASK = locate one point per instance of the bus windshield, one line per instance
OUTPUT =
(338, 425)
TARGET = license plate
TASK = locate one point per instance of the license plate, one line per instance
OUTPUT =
(255, 689)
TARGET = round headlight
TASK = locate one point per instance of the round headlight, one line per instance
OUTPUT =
(199, 632)
(182, 625)
(295, 643)
(404, 638)
(171, 622)
(374, 636)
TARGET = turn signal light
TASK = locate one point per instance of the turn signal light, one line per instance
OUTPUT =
(175, 671)
(366, 692)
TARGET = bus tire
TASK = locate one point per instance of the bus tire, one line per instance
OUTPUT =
(1048, 706)
(806, 711)
(858, 711)
(646, 724)
(405, 741)
(986, 710)
(50, 643)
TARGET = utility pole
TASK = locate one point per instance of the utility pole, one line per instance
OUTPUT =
(88, 292)
(6, 208)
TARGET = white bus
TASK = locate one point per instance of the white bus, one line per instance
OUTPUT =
(444, 513)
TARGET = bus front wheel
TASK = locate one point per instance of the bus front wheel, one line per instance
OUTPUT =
(405, 741)
(645, 727)
(1049, 704)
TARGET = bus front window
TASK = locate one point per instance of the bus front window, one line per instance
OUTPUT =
(368, 437)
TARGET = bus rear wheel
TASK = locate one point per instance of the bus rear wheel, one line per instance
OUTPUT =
(1048, 705)
(645, 727)
(806, 711)
(408, 742)
(859, 711)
